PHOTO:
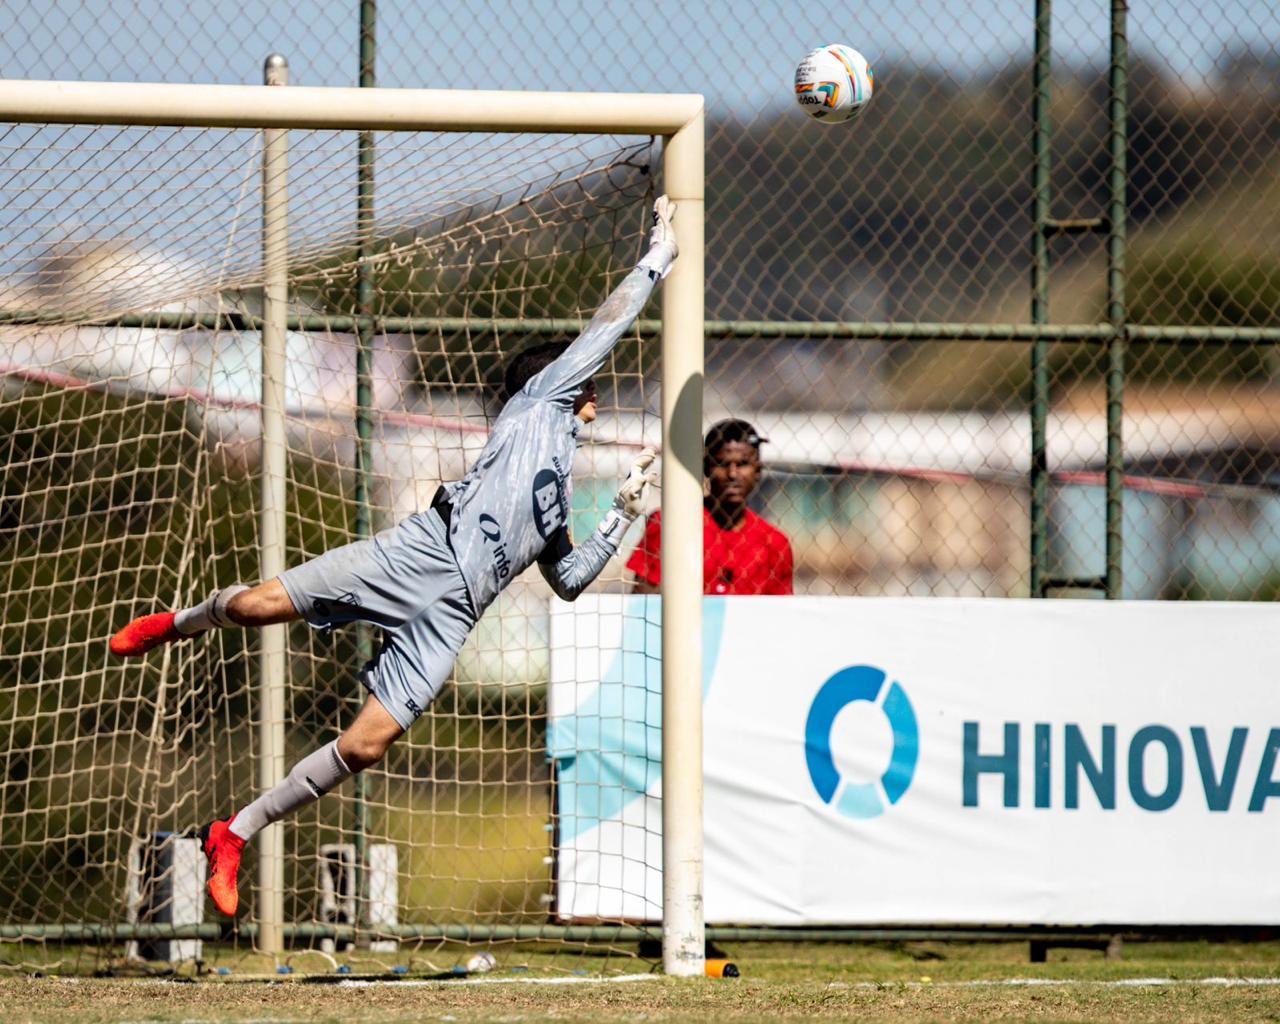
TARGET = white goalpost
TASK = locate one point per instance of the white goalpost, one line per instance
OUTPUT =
(275, 111)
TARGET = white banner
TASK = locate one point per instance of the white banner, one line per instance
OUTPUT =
(880, 760)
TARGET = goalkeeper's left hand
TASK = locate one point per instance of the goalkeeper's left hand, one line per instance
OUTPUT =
(663, 235)
(662, 240)
(630, 500)
(571, 570)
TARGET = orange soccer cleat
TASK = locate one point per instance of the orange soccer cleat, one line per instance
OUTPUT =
(223, 848)
(144, 633)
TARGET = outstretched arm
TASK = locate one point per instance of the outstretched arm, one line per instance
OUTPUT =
(563, 379)
(571, 570)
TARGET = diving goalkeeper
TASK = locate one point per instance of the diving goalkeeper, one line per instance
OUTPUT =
(427, 580)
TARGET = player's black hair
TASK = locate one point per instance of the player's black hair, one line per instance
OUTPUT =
(527, 363)
(728, 432)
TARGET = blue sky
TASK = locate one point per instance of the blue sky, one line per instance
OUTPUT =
(740, 55)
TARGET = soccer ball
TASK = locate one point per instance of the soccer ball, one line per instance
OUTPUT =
(481, 963)
(834, 83)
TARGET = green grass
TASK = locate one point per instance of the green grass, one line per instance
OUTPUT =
(881, 982)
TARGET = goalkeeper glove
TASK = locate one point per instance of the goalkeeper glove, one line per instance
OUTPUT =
(662, 240)
(630, 500)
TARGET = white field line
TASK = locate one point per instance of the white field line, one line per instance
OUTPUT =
(1064, 983)
(1214, 982)
(445, 982)
(283, 980)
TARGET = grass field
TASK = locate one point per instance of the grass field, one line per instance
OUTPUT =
(882, 982)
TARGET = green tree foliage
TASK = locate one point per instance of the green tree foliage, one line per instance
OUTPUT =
(920, 212)
(1205, 283)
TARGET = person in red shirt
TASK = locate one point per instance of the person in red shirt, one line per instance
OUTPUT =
(741, 553)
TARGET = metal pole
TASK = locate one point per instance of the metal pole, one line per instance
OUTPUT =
(922, 331)
(271, 658)
(1041, 134)
(364, 396)
(683, 927)
(1116, 309)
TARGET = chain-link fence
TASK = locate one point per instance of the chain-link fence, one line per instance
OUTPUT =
(942, 395)
(922, 213)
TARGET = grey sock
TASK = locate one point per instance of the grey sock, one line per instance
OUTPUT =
(310, 779)
(211, 613)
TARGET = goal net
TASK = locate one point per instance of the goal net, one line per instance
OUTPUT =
(131, 327)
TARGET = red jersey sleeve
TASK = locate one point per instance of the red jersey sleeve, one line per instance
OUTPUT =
(783, 567)
(646, 559)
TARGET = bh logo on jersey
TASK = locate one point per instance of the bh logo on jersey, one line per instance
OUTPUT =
(549, 513)
(861, 799)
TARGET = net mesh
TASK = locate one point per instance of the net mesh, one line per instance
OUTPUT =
(129, 483)
(922, 212)
(896, 467)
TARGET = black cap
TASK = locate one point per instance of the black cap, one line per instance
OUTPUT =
(730, 431)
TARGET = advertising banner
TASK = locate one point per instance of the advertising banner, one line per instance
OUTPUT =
(899, 760)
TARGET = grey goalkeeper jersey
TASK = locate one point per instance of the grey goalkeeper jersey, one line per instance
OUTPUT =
(512, 507)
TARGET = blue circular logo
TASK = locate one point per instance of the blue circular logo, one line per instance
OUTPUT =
(861, 799)
(549, 512)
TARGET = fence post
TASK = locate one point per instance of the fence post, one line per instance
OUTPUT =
(1117, 312)
(364, 391)
(1041, 132)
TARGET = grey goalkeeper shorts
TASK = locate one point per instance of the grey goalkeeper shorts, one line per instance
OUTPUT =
(406, 581)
